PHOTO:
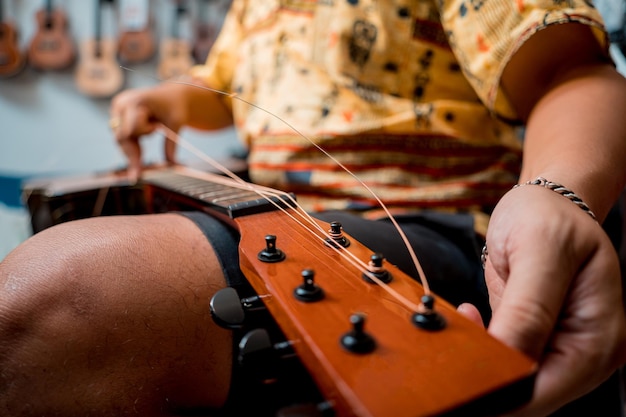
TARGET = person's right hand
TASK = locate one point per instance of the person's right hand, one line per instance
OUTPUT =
(138, 112)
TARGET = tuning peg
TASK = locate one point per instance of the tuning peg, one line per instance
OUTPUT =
(260, 356)
(376, 268)
(336, 235)
(309, 291)
(357, 340)
(228, 310)
(427, 317)
(271, 253)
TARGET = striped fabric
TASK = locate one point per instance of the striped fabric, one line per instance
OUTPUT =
(403, 94)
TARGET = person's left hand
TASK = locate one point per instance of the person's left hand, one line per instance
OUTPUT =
(556, 293)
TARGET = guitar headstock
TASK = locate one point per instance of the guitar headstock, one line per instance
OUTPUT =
(405, 369)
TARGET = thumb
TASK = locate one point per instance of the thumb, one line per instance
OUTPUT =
(470, 312)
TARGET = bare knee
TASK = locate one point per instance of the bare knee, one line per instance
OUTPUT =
(94, 319)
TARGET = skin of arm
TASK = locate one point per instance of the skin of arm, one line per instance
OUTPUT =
(552, 273)
(174, 104)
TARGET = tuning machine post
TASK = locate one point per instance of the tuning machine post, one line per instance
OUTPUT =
(228, 310)
(260, 356)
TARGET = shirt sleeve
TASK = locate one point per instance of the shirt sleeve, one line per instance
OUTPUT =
(485, 34)
(217, 71)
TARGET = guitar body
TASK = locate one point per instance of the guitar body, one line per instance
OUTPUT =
(205, 37)
(176, 58)
(98, 74)
(136, 46)
(12, 60)
(52, 47)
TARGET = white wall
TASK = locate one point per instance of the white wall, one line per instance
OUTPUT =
(47, 127)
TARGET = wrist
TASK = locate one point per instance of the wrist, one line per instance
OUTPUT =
(563, 191)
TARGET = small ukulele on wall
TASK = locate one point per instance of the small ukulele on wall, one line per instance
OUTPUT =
(175, 53)
(137, 40)
(52, 47)
(12, 59)
(98, 73)
(205, 35)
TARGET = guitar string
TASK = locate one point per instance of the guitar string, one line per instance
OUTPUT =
(233, 95)
(265, 191)
(271, 194)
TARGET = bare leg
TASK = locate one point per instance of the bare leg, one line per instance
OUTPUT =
(109, 316)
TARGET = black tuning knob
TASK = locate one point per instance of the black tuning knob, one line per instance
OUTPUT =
(427, 317)
(228, 310)
(309, 291)
(336, 235)
(259, 356)
(376, 269)
(357, 340)
(271, 253)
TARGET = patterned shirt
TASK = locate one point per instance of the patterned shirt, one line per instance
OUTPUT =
(404, 94)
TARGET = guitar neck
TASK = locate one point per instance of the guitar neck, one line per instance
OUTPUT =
(98, 29)
(202, 190)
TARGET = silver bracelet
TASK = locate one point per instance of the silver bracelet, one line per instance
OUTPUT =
(558, 188)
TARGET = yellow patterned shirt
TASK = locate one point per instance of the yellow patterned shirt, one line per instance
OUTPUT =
(402, 95)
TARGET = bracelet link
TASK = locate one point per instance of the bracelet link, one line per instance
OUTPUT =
(560, 189)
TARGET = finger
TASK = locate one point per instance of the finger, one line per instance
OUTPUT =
(132, 150)
(169, 146)
(470, 312)
(532, 298)
(590, 339)
(537, 271)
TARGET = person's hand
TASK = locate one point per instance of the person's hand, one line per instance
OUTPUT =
(555, 289)
(139, 112)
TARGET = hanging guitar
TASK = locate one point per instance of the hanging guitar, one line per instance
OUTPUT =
(205, 33)
(175, 52)
(12, 60)
(98, 73)
(52, 47)
(137, 40)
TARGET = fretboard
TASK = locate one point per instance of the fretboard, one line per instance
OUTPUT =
(230, 200)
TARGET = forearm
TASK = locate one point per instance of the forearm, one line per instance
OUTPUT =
(576, 136)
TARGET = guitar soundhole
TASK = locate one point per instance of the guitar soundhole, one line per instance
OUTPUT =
(48, 45)
(98, 73)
